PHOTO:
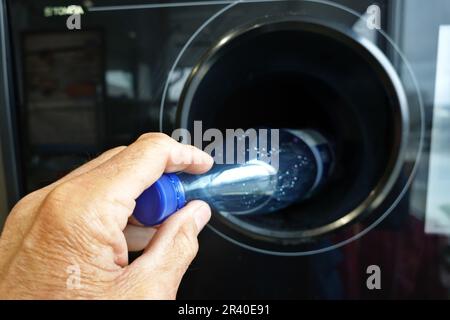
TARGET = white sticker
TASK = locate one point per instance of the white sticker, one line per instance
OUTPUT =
(437, 219)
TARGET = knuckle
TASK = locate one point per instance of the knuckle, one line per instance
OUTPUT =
(57, 195)
(156, 141)
(28, 200)
(56, 201)
(155, 138)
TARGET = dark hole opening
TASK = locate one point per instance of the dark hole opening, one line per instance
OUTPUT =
(287, 77)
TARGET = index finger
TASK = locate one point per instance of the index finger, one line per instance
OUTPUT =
(121, 179)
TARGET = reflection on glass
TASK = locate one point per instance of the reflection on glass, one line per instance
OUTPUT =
(119, 83)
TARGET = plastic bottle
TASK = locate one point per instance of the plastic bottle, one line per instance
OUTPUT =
(257, 186)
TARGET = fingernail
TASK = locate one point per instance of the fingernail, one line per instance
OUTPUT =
(202, 214)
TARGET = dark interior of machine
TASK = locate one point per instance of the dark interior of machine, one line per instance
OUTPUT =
(286, 76)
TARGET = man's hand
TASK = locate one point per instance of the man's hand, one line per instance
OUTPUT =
(71, 239)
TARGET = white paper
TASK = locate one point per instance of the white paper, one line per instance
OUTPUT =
(437, 219)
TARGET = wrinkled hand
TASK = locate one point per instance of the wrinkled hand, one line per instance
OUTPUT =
(71, 239)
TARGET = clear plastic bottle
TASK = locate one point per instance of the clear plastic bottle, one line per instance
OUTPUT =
(257, 186)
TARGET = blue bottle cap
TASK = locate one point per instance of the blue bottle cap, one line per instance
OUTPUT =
(160, 200)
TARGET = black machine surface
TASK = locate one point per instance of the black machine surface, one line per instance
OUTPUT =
(83, 76)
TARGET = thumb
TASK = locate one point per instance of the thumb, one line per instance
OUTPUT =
(159, 270)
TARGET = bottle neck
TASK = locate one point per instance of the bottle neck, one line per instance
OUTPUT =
(178, 189)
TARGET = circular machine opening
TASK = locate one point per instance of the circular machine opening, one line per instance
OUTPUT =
(298, 74)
